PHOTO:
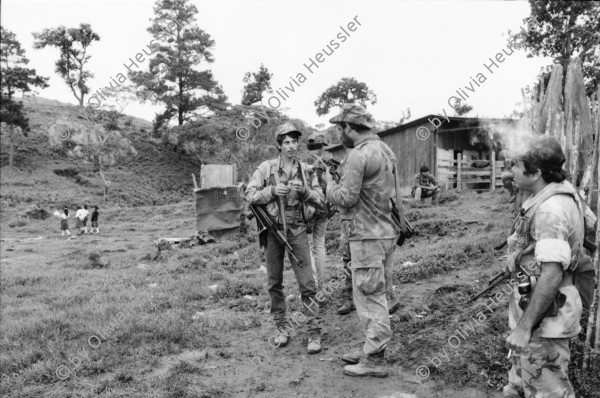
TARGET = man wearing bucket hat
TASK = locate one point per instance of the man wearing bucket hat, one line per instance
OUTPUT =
(545, 251)
(283, 185)
(363, 195)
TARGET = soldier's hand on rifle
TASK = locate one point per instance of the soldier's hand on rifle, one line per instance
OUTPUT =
(280, 189)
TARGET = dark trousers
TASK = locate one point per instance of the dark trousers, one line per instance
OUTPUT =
(274, 253)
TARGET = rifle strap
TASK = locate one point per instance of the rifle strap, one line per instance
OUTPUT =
(281, 199)
(397, 190)
(305, 187)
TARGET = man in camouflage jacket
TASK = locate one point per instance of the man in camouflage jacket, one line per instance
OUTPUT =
(363, 195)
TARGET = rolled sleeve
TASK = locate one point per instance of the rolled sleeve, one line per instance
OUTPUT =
(254, 193)
(551, 235)
(416, 181)
(553, 251)
(346, 193)
(432, 179)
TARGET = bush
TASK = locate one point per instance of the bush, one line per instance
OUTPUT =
(17, 223)
(96, 261)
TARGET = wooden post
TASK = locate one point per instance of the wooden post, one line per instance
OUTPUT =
(493, 171)
(597, 254)
(592, 199)
(458, 173)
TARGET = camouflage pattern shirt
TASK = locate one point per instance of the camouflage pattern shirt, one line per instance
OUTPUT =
(259, 192)
(553, 234)
(424, 180)
(364, 191)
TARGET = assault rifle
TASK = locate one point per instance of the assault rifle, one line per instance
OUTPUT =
(405, 233)
(495, 281)
(264, 224)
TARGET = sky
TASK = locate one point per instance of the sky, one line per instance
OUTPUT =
(412, 54)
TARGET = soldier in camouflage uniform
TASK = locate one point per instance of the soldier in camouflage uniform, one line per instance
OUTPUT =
(363, 195)
(319, 223)
(284, 181)
(546, 245)
(425, 186)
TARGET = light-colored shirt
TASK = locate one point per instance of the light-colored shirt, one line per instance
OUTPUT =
(555, 235)
(259, 192)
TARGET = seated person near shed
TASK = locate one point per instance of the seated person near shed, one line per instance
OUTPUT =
(425, 186)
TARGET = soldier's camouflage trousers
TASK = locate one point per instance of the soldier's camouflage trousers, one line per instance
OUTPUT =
(371, 262)
(347, 290)
(542, 371)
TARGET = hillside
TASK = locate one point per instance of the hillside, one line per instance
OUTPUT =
(48, 177)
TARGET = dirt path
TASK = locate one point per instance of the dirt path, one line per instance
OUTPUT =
(247, 366)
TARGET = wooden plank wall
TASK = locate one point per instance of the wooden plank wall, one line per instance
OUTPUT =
(458, 174)
(411, 153)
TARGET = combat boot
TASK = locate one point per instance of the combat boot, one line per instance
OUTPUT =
(314, 344)
(353, 357)
(346, 308)
(283, 337)
(368, 366)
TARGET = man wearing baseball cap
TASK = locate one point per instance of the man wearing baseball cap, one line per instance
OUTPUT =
(363, 195)
(284, 186)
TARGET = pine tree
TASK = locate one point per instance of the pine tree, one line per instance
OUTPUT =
(15, 78)
(173, 78)
(73, 44)
(256, 84)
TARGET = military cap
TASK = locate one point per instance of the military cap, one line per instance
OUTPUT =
(545, 152)
(354, 114)
(286, 128)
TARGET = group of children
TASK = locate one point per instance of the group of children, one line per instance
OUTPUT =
(81, 219)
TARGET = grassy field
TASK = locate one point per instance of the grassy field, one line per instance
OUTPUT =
(110, 316)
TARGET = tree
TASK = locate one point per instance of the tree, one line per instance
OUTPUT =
(346, 91)
(172, 79)
(256, 85)
(563, 30)
(73, 44)
(461, 108)
(15, 77)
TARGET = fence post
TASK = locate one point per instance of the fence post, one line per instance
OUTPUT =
(458, 173)
(493, 186)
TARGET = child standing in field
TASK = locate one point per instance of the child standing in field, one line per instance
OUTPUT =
(79, 218)
(85, 218)
(95, 220)
(64, 224)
